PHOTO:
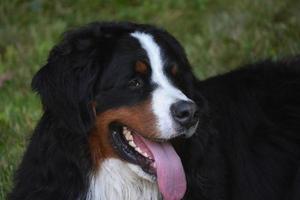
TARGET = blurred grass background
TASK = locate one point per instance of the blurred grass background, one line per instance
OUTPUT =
(218, 36)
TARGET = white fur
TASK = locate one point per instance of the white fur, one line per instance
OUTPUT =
(117, 179)
(165, 94)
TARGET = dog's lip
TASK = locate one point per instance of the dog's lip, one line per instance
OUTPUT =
(127, 151)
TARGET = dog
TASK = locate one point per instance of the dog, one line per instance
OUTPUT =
(113, 96)
(125, 118)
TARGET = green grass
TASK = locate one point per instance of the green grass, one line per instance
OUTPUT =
(217, 35)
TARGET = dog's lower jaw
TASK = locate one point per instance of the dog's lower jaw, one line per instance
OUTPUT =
(117, 179)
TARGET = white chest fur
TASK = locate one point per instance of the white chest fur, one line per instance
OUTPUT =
(119, 180)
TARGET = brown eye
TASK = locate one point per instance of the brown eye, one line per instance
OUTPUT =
(135, 83)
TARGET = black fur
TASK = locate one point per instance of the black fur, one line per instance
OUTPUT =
(251, 150)
(247, 145)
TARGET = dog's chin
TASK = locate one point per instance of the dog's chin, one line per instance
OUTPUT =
(141, 173)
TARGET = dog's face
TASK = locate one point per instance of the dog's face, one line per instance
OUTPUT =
(143, 90)
(136, 82)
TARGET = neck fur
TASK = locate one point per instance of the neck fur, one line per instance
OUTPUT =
(117, 179)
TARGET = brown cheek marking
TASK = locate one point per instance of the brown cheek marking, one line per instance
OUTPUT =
(139, 118)
(141, 67)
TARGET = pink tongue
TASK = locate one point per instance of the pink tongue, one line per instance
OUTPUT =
(169, 170)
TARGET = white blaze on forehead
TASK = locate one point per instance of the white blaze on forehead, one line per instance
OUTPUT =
(165, 94)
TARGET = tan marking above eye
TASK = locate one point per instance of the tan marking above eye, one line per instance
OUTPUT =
(174, 70)
(141, 67)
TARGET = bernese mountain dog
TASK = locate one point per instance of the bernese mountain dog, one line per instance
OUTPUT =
(125, 118)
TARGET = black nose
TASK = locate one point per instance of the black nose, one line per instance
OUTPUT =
(185, 113)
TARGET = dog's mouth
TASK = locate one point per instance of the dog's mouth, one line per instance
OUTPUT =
(156, 157)
(130, 147)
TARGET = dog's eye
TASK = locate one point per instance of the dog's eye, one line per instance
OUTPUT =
(135, 83)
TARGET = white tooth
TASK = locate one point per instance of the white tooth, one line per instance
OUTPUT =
(145, 154)
(138, 149)
(126, 134)
(130, 137)
(154, 165)
(131, 143)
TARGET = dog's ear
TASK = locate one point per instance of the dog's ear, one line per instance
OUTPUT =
(66, 82)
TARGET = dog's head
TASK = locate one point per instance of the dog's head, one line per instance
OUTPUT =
(127, 88)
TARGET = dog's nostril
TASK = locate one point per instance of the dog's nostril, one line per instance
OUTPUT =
(184, 113)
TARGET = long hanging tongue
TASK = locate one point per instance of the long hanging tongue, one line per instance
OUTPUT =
(169, 169)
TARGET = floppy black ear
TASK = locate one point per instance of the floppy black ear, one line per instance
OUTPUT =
(66, 82)
(64, 93)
